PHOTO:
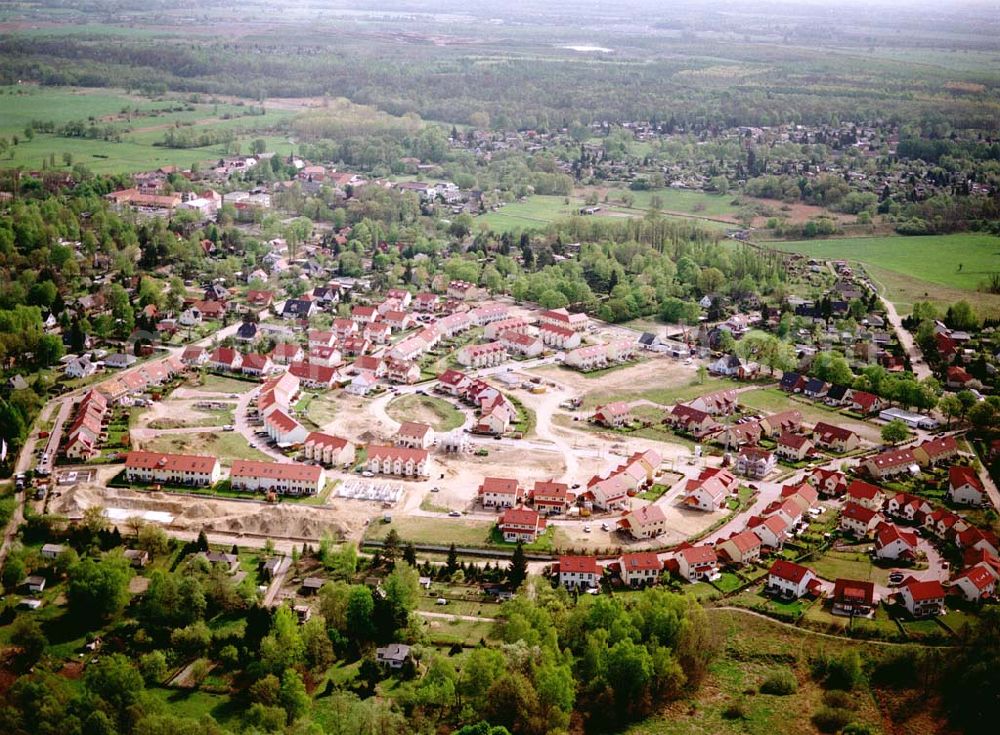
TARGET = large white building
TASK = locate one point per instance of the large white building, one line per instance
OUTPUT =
(398, 461)
(173, 469)
(284, 478)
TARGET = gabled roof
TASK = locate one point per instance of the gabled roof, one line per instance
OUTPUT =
(579, 564)
(521, 517)
(922, 591)
(788, 570)
(854, 590)
(861, 490)
(959, 475)
(641, 561)
(699, 554)
(858, 513)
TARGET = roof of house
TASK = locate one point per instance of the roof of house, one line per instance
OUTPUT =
(959, 475)
(255, 361)
(646, 514)
(940, 446)
(744, 541)
(924, 590)
(863, 490)
(864, 399)
(170, 462)
(413, 429)
(858, 513)
(579, 564)
(795, 441)
(789, 570)
(521, 517)
(276, 470)
(499, 485)
(326, 440)
(854, 590)
(887, 533)
(980, 576)
(641, 561)
(699, 554)
(405, 454)
(834, 432)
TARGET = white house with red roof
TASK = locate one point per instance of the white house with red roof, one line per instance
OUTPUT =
(793, 447)
(609, 492)
(328, 449)
(378, 333)
(865, 494)
(453, 382)
(965, 487)
(490, 354)
(835, 438)
(646, 522)
(500, 492)
(194, 356)
(859, 520)
(922, 598)
(284, 478)
(691, 420)
(829, 483)
(865, 403)
(562, 318)
(362, 315)
(710, 490)
(525, 345)
(426, 302)
(225, 358)
(173, 469)
(560, 338)
(322, 337)
(891, 463)
(790, 580)
(976, 583)
(311, 375)
(741, 548)
(641, 568)
(326, 356)
(755, 462)
(397, 461)
(414, 435)
(697, 562)
(405, 372)
(551, 497)
(514, 324)
(579, 572)
(612, 415)
(283, 429)
(521, 524)
(717, 403)
(772, 530)
(256, 364)
(893, 542)
(287, 353)
(344, 328)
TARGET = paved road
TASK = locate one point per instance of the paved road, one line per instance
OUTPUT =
(917, 364)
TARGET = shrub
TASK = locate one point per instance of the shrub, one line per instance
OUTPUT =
(838, 699)
(831, 719)
(859, 728)
(738, 709)
(781, 682)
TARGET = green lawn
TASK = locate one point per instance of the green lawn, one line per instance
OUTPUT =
(140, 130)
(460, 531)
(221, 384)
(533, 213)
(227, 446)
(697, 203)
(942, 268)
(848, 565)
(437, 412)
(664, 396)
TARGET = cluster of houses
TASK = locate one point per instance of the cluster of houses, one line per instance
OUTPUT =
(496, 412)
(547, 497)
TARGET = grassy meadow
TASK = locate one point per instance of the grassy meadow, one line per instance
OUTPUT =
(939, 268)
(142, 123)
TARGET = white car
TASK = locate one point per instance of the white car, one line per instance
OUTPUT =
(367, 473)
(586, 529)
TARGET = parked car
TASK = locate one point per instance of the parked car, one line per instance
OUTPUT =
(455, 514)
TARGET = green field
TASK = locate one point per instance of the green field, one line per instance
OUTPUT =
(438, 413)
(142, 122)
(533, 212)
(941, 268)
(226, 446)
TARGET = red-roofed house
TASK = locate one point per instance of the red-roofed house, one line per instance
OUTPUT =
(521, 524)
(865, 403)
(755, 462)
(830, 483)
(256, 364)
(835, 438)
(691, 420)
(853, 597)
(891, 463)
(741, 548)
(551, 497)
(174, 469)
(790, 580)
(500, 492)
(793, 447)
(289, 478)
(478, 356)
(859, 520)
(772, 530)
(579, 572)
(415, 435)
(283, 429)
(976, 583)
(328, 449)
(648, 521)
(936, 451)
(286, 353)
(922, 599)
(640, 568)
(613, 415)
(697, 562)
(225, 358)
(398, 461)
(710, 490)
(865, 494)
(892, 542)
(965, 487)
(958, 377)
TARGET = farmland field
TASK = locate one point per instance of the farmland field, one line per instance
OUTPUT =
(141, 122)
(942, 268)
